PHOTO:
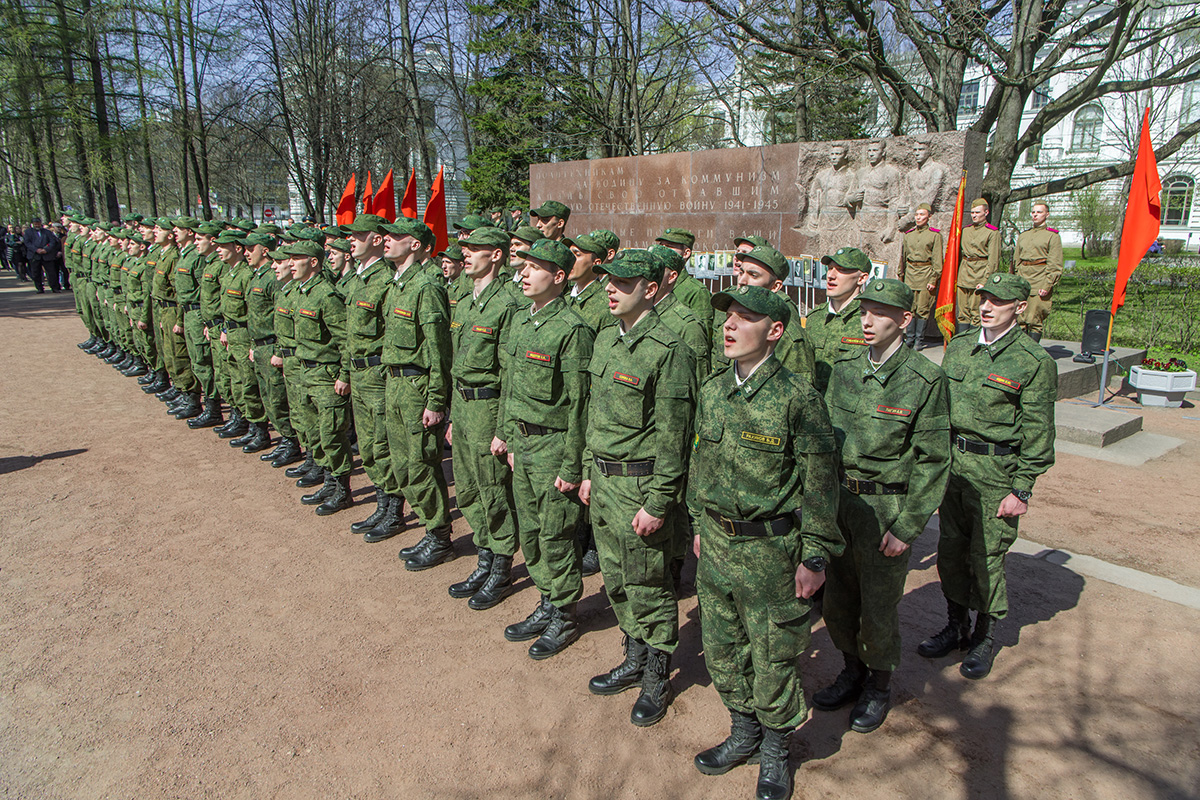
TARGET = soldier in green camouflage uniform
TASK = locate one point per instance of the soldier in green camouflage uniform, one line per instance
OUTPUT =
(545, 387)
(1038, 258)
(188, 274)
(235, 310)
(835, 329)
(890, 412)
(551, 219)
(521, 239)
(690, 291)
(301, 411)
(980, 249)
(458, 285)
(166, 308)
(587, 294)
(482, 479)
(920, 268)
(1002, 391)
(763, 490)
(678, 317)
(643, 381)
(265, 285)
(131, 282)
(215, 380)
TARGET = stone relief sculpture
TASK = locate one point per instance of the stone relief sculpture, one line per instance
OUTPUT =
(879, 198)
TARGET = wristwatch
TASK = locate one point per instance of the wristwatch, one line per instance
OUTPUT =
(815, 564)
(1022, 495)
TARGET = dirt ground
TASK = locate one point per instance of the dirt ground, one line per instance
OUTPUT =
(173, 623)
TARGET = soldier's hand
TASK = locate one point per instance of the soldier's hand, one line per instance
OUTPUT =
(1043, 293)
(224, 339)
(696, 545)
(207, 338)
(250, 355)
(585, 493)
(341, 389)
(645, 523)
(807, 581)
(500, 448)
(177, 329)
(276, 361)
(509, 459)
(565, 486)
(891, 546)
(930, 287)
(428, 418)
(143, 326)
(1011, 506)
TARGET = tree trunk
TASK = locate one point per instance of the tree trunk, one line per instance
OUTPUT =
(73, 123)
(137, 64)
(103, 133)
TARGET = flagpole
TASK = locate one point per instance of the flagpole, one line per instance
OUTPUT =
(1104, 370)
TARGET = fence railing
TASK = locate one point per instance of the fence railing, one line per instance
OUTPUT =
(805, 285)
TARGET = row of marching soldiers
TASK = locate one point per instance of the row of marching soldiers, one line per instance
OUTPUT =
(604, 408)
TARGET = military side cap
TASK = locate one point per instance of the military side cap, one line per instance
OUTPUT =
(979, 201)
(235, 236)
(925, 207)
(486, 237)
(257, 239)
(341, 245)
(453, 252)
(1003, 286)
(671, 259)
(472, 221)
(752, 240)
(551, 208)
(366, 223)
(243, 224)
(527, 234)
(889, 292)
(588, 245)
(269, 228)
(306, 248)
(209, 228)
(677, 236)
(132, 218)
(548, 251)
(770, 258)
(607, 238)
(758, 299)
(635, 264)
(849, 258)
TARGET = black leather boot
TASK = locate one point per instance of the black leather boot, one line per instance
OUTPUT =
(390, 524)
(532, 626)
(149, 378)
(590, 563)
(1035, 335)
(497, 586)
(247, 437)
(260, 438)
(138, 369)
(160, 382)
(474, 582)
(846, 687)
(560, 632)
(104, 352)
(439, 550)
(408, 552)
(625, 675)
(301, 470)
(872, 708)
(774, 767)
(910, 334)
(978, 662)
(652, 703)
(328, 483)
(381, 504)
(235, 428)
(740, 747)
(955, 636)
(314, 477)
(125, 363)
(919, 337)
(168, 394)
(338, 499)
(117, 356)
(287, 453)
(95, 347)
(210, 416)
(272, 453)
(85, 345)
(173, 406)
(190, 407)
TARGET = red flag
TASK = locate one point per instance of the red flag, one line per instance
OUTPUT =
(435, 212)
(1142, 215)
(408, 206)
(345, 206)
(368, 196)
(947, 290)
(385, 199)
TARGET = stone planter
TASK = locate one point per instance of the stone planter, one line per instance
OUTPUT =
(1164, 389)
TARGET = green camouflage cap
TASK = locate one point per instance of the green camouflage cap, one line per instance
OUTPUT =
(293, 231)
(256, 239)
(549, 252)
(105, 226)
(243, 224)
(161, 222)
(120, 234)
(235, 236)
(187, 223)
(208, 228)
(770, 258)
(453, 252)
(306, 248)
(472, 221)
(310, 234)
(277, 255)
(752, 240)
(671, 259)
(366, 223)
(1004, 286)
(849, 258)
(678, 236)
(410, 227)
(132, 218)
(635, 264)
(588, 245)
(269, 228)
(552, 208)
(758, 299)
(608, 239)
(341, 245)
(889, 292)
(527, 234)
(137, 237)
(487, 237)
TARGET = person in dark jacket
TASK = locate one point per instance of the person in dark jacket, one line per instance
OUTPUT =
(16, 252)
(41, 249)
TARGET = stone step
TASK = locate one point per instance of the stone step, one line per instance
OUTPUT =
(1097, 427)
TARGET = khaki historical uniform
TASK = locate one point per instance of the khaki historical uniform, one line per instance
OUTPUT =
(920, 265)
(980, 249)
(1039, 260)
(833, 336)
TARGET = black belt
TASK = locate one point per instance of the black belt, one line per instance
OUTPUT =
(215, 322)
(406, 371)
(873, 487)
(965, 445)
(264, 340)
(625, 469)
(529, 429)
(117, 291)
(233, 324)
(315, 364)
(482, 393)
(363, 363)
(167, 303)
(191, 306)
(136, 305)
(286, 352)
(776, 526)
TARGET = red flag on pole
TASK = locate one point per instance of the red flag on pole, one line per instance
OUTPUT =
(408, 206)
(345, 206)
(944, 313)
(368, 196)
(435, 212)
(385, 199)
(1142, 214)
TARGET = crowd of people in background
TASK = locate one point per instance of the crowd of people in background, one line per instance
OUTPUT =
(36, 254)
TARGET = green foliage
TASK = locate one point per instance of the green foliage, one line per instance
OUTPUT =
(1095, 212)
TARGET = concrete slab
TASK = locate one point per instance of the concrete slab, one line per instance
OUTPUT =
(1097, 427)
(1131, 452)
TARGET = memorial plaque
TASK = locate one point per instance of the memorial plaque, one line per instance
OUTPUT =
(807, 198)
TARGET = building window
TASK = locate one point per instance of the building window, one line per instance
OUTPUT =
(1178, 192)
(1089, 121)
(968, 98)
(1041, 97)
(1189, 107)
(1033, 154)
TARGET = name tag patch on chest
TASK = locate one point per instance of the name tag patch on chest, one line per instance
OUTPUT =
(233, 292)
(854, 340)
(621, 377)
(773, 441)
(208, 276)
(287, 312)
(304, 312)
(366, 305)
(400, 312)
(257, 290)
(1009, 382)
(482, 329)
(533, 355)
(183, 270)
(894, 411)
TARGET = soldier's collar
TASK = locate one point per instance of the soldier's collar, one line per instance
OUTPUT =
(669, 299)
(997, 346)
(887, 368)
(548, 310)
(765, 371)
(851, 307)
(640, 328)
(371, 269)
(307, 286)
(488, 292)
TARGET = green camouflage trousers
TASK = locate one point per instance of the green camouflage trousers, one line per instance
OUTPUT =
(483, 482)
(273, 389)
(753, 626)
(301, 411)
(175, 354)
(199, 353)
(547, 518)
(863, 587)
(220, 362)
(330, 445)
(415, 452)
(242, 381)
(636, 569)
(367, 399)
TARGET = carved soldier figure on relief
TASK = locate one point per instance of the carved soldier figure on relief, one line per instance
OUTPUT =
(831, 198)
(923, 184)
(879, 198)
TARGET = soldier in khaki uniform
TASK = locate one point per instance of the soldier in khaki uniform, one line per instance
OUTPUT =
(921, 269)
(1039, 260)
(980, 257)
(890, 412)
(835, 330)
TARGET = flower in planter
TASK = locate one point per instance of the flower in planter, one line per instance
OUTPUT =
(1174, 365)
